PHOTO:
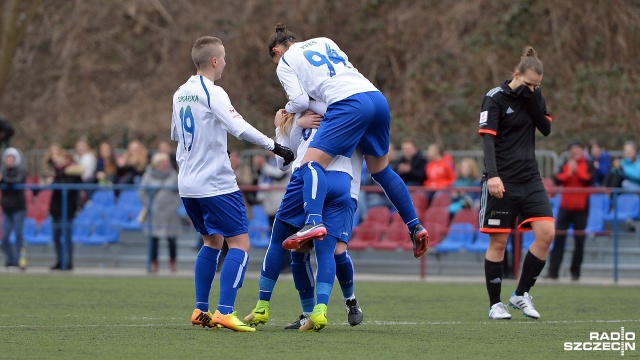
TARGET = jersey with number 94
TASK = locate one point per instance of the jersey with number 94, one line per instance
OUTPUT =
(319, 69)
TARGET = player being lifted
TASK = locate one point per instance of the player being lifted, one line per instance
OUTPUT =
(331, 253)
(202, 116)
(512, 188)
(357, 113)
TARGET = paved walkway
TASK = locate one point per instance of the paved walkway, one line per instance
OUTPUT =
(125, 272)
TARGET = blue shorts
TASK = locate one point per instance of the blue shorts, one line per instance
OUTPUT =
(362, 118)
(347, 228)
(221, 214)
(337, 204)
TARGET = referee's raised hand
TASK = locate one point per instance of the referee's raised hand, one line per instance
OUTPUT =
(496, 188)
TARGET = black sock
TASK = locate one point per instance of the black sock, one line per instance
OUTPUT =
(531, 269)
(493, 277)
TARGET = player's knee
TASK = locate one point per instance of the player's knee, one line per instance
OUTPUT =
(341, 247)
(545, 234)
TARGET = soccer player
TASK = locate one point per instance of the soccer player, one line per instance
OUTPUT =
(290, 218)
(512, 188)
(202, 116)
(357, 113)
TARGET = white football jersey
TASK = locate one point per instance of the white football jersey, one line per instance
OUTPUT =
(356, 167)
(319, 69)
(202, 116)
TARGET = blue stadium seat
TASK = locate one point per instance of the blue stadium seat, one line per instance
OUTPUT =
(105, 197)
(480, 245)
(628, 208)
(104, 232)
(45, 232)
(459, 235)
(30, 232)
(80, 230)
(129, 198)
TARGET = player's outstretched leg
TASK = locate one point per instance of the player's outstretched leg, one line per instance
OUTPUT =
(205, 271)
(397, 192)
(305, 284)
(231, 278)
(344, 274)
(271, 266)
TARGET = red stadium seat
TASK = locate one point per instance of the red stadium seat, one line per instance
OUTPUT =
(470, 216)
(435, 214)
(420, 201)
(441, 199)
(393, 237)
(364, 236)
(379, 215)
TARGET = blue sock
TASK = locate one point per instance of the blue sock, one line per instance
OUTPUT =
(231, 277)
(326, 273)
(204, 272)
(314, 191)
(303, 280)
(272, 263)
(396, 190)
(344, 273)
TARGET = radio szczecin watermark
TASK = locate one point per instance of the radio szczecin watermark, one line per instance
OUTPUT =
(605, 341)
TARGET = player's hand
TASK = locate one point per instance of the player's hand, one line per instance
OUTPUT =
(277, 120)
(496, 188)
(524, 91)
(284, 152)
(310, 120)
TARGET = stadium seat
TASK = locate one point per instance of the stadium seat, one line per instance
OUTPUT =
(80, 230)
(436, 214)
(440, 199)
(458, 236)
(127, 218)
(526, 239)
(599, 201)
(393, 237)
(595, 221)
(259, 227)
(364, 236)
(396, 219)
(628, 208)
(420, 201)
(379, 215)
(104, 197)
(129, 198)
(469, 216)
(45, 233)
(436, 232)
(104, 232)
(30, 232)
(480, 245)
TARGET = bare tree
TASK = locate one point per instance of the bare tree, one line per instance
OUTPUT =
(16, 17)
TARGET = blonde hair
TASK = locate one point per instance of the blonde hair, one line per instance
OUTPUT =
(159, 157)
(475, 174)
(138, 160)
(286, 123)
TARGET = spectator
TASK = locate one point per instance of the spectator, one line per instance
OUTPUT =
(467, 175)
(65, 172)
(165, 147)
(13, 204)
(628, 167)
(601, 162)
(411, 165)
(132, 164)
(106, 168)
(166, 202)
(85, 157)
(439, 171)
(257, 161)
(48, 164)
(577, 172)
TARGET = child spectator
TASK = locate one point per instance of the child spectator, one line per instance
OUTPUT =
(467, 175)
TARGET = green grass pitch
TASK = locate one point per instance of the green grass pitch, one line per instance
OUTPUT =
(82, 317)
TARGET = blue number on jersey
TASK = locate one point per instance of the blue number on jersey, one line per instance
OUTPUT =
(188, 125)
(317, 59)
(306, 134)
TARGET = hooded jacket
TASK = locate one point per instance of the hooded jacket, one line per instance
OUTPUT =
(13, 199)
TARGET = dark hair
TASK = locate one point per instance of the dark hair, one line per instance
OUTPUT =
(282, 36)
(529, 60)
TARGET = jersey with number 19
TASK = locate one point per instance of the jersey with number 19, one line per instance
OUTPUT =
(202, 116)
(319, 68)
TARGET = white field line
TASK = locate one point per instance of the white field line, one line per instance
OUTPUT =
(376, 323)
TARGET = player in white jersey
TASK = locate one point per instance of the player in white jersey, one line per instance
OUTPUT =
(202, 117)
(297, 132)
(357, 114)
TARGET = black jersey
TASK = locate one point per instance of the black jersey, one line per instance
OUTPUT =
(505, 115)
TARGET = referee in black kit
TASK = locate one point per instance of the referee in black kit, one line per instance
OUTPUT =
(512, 188)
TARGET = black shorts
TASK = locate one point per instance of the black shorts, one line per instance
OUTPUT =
(524, 202)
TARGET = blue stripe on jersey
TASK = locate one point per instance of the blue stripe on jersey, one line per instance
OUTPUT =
(285, 61)
(494, 91)
(206, 91)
